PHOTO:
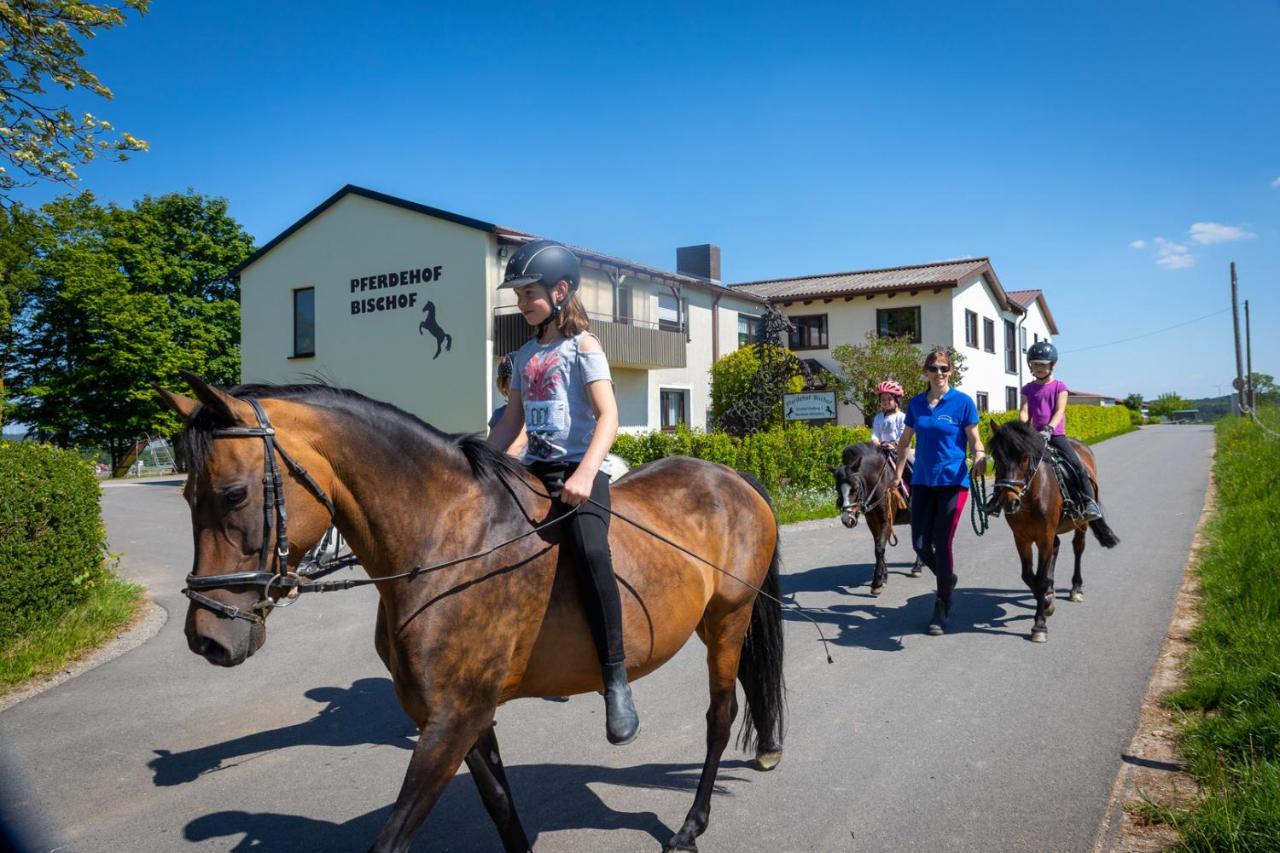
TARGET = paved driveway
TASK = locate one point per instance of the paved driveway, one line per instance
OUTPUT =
(978, 740)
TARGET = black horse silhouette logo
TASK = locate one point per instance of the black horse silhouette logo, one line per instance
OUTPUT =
(444, 340)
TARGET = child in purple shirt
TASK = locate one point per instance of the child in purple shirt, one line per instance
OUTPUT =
(1044, 406)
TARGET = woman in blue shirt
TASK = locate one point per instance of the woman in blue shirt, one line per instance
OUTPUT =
(944, 422)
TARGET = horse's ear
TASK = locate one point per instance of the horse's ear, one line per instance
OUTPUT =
(833, 469)
(995, 425)
(184, 406)
(228, 409)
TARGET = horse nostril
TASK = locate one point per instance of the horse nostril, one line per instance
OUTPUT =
(210, 650)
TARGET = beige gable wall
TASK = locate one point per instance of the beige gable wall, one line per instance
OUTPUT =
(984, 371)
(381, 354)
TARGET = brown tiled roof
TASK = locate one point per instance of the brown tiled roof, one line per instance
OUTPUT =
(917, 276)
(1024, 298)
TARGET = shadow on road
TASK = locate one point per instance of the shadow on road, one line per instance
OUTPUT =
(870, 625)
(549, 797)
(364, 713)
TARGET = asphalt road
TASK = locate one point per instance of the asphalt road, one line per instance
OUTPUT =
(978, 740)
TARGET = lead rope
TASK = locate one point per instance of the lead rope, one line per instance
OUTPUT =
(978, 503)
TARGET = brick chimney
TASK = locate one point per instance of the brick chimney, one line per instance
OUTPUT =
(699, 261)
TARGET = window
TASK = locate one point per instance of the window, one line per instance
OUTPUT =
(988, 335)
(672, 403)
(1022, 339)
(982, 402)
(668, 313)
(1010, 350)
(1010, 398)
(971, 328)
(304, 322)
(895, 322)
(622, 304)
(748, 329)
(810, 332)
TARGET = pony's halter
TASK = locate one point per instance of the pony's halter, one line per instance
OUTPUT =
(275, 517)
(875, 493)
(1020, 487)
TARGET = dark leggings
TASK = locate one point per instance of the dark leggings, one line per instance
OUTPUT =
(935, 514)
(1068, 452)
(587, 536)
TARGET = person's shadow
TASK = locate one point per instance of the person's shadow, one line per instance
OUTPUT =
(364, 713)
(548, 798)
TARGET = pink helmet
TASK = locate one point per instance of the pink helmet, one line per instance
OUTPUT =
(889, 387)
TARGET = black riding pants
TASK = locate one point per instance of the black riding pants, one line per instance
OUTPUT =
(935, 514)
(587, 536)
(1063, 446)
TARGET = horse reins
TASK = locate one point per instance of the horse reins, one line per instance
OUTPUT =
(292, 584)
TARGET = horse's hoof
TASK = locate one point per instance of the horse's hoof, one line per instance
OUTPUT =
(673, 846)
(1050, 607)
(876, 590)
(1077, 595)
(766, 761)
(915, 571)
(1039, 636)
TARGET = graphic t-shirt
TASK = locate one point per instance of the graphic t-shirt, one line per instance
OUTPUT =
(941, 444)
(552, 380)
(1042, 400)
(887, 429)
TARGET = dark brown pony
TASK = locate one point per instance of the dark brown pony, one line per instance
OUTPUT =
(1031, 500)
(864, 485)
(460, 639)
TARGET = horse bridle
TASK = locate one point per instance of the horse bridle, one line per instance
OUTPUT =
(1020, 487)
(275, 517)
(879, 496)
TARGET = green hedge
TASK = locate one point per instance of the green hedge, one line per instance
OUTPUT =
(796, 455)
(52, 540)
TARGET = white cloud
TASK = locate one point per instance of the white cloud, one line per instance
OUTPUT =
(1276, 183)
(1173, 256)
(1205, 233)
(1138, 244)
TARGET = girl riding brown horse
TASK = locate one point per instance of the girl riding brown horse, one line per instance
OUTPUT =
(478, 605)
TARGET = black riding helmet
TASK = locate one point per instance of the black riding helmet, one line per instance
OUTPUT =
(544, 262)
(1043, 351)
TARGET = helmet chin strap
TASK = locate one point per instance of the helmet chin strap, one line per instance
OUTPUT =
(553, 316)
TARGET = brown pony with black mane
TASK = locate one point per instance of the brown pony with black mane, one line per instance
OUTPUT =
(864, 485)
(1032, 503)
(476, 606)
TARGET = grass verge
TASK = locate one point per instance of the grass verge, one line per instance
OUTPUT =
(49, 646)
(1230, 733)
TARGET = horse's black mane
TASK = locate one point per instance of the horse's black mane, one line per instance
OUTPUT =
(484, 461)
(854, 454)
(1014, 442)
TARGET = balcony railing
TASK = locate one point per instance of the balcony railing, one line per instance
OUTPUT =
(627, 342)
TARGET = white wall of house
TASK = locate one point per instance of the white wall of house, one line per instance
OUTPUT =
(985, 371)
(378, 352)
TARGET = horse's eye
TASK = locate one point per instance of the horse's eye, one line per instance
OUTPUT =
(235, 497)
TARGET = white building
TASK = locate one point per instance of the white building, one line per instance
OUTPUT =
(955, 303)
(400, 302)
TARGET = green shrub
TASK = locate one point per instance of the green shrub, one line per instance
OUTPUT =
(797, 455)
(1090, 424)
(52, 541)
(1135, 418)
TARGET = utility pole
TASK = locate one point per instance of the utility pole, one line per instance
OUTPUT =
(1248, 355)
(1235, 319)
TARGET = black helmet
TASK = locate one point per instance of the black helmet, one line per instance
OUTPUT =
(543, 262)
(1043, 351)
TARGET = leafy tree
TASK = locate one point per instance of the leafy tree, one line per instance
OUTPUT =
(17, 277)
(1166, 404)
(1133, 401)
(124, 297)
(734, 378)
(864, 366)
(42, 46)
(1265, 389)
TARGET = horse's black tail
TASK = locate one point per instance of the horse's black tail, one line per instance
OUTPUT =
(760, 667)
(1102, 531)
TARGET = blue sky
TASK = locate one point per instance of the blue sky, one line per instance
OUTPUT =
(1116, 155)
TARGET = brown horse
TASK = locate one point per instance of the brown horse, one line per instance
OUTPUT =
(864, 485)
(1033, 506)
(498, 616)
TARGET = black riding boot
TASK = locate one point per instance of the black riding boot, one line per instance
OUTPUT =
(621, 721)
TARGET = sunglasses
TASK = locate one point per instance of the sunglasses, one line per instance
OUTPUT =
(938, 368)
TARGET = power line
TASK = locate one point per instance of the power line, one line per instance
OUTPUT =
(1149, 334)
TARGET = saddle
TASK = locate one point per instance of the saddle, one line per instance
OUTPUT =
(1068, 484)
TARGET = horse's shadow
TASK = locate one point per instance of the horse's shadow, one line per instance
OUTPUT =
(548, 797)
(364, 713)
(876, 627)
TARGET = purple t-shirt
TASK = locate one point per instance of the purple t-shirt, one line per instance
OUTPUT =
(1041, 402)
